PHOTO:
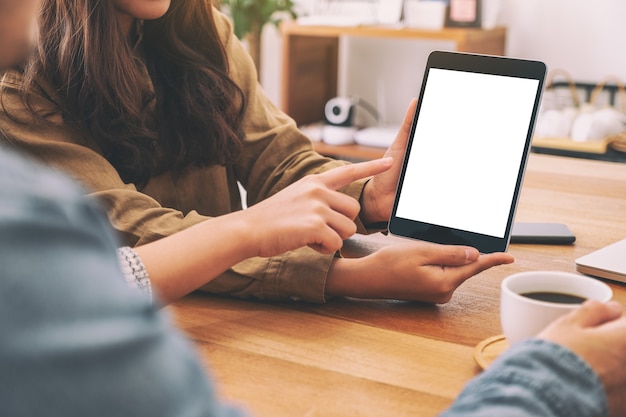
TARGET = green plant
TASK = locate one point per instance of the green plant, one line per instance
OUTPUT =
(250, 17)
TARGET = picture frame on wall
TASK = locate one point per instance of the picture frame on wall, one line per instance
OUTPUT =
(464, 14)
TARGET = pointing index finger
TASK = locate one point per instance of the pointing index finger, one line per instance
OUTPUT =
(341, 176)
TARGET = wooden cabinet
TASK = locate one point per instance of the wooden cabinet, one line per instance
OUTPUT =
(310, 58)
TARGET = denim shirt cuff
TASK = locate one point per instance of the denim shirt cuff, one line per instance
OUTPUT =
(534, 378)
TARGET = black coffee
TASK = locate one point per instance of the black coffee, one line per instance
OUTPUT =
(555, 297)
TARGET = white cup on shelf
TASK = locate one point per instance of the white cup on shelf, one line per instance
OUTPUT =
(429, 15)
(490, 13)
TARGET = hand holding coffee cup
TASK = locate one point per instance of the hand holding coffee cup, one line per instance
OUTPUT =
(532, 300)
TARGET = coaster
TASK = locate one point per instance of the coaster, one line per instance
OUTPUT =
(489, 349)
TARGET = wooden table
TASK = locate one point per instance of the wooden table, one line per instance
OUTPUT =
(310, 58)
(380, 358)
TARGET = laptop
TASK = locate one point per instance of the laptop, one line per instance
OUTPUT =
(608, 262)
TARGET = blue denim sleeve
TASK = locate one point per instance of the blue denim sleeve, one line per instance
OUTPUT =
(533, 378)
(76, 340)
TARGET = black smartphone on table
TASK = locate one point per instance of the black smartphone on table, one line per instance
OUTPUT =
(542, 233)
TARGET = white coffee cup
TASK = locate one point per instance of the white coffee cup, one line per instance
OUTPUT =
(523, 317)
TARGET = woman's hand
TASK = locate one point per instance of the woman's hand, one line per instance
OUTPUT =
(310, 212)
(412, 271)
(380, 192)
(597, 333)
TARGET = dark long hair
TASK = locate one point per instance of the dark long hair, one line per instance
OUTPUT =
(190, 115)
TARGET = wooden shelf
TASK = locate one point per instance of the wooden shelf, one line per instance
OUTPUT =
(349, 152)
(461, 35)
(567, 144)
(563, 147)
(310, 58)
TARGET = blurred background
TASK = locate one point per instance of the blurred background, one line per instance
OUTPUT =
(586, 38)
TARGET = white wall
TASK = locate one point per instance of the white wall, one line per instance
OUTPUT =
(585, 37)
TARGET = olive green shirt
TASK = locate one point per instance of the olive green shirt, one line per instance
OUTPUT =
(275, 155)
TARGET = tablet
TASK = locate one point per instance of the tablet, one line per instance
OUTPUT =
(467, 150)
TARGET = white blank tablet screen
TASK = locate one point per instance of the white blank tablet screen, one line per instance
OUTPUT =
(467, 150)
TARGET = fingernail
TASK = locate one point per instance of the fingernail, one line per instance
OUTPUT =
(471, 255)
(615, 307)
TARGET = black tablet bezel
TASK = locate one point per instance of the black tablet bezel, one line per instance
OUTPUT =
(482, 64)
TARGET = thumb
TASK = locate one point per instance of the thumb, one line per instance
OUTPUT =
(405, 129)
(594, 313)
(448, 255)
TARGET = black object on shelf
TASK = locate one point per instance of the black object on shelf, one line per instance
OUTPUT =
(588, 88)
(611, 155)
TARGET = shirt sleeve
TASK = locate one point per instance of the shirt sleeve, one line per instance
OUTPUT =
(134, 271)
(533, 378)
(137, 217)
(76, 341)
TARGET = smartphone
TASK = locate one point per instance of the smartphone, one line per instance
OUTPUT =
(542, 233)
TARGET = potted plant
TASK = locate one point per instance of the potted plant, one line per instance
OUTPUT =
(250, 17)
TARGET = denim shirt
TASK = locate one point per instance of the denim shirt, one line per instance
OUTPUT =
(533, 378)
(77, 341)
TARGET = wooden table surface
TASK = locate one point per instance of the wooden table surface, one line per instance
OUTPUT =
(381, 358)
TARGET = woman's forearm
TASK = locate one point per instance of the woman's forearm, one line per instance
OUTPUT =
(346, 278)
(183, 262)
